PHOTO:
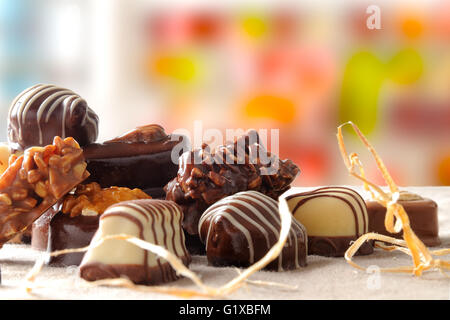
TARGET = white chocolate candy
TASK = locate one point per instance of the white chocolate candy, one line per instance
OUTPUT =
(154, 221)
(330, 211)
(333, 218)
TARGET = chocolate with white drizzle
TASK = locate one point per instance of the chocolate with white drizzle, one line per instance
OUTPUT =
(44, 111)
(240, 229)
(333, 217)
(155, 221)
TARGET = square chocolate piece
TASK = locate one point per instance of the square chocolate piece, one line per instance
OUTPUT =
(423, 216)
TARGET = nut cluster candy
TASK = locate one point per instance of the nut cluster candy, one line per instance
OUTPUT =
(37, 180)
(206, 176)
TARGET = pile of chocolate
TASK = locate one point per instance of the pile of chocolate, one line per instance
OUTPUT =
(63, 190)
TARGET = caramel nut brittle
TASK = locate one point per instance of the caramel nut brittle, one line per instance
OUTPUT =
(37, 180)
(92, 199)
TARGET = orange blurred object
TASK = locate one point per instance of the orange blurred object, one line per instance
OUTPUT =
(443, 170)
(276, 107)
(412, 24)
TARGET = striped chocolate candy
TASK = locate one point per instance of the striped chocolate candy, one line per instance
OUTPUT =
(333, 217)
(44, 111)
(155, 221)
(240, 229)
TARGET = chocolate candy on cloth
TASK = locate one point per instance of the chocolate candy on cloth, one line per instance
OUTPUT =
(73, 223)
(42, 112)
(154, 221)
(206, 176)
(35, 181)
(240, 229)
(333, 218)
(422, 214)
(141, 158)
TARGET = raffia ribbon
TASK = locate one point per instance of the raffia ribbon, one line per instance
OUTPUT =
(423, 259)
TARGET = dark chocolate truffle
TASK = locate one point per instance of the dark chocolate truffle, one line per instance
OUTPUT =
(42, 112)
(240, 229)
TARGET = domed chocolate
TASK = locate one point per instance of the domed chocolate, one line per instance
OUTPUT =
(240, 229)
(333, 218)
(44, 111)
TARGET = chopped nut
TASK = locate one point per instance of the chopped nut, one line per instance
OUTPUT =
(40, 189)
(34, 176)
(79, 169)
(54, 160)
(91, 198)
(4, 198)
(216, 178)
(27, 203)
(19, 194)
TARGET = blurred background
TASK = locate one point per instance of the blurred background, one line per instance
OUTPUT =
(302, 67)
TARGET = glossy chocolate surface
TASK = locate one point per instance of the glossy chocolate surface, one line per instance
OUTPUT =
(423, 217)
(58, 231)
(139, 159)
(334, 217)
(42, 112)
(240, 229)
(336, 246)
(154, 221)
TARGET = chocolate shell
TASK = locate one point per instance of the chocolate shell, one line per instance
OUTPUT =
(422, 214)
(240, 229)
(333, 218)
(155, 221)
(42, 112)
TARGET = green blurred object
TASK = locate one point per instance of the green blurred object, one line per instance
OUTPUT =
(361, 84)
(405, 67)
(363, 77)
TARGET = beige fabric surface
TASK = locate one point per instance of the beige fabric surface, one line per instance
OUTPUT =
(323, 278)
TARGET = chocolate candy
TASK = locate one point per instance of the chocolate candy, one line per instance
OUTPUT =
(140, 159)
(42, 112)
(65, 232)
(240, 229)
(222, 172)
(422, 213)
(73, 223)
(155, 221)
(333, 218)
(36, 181)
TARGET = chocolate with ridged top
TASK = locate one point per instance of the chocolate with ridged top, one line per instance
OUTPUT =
(141, 158)
(44, 111)
(333, 218)
(240, 229)
(225, 171)
(154, 221)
